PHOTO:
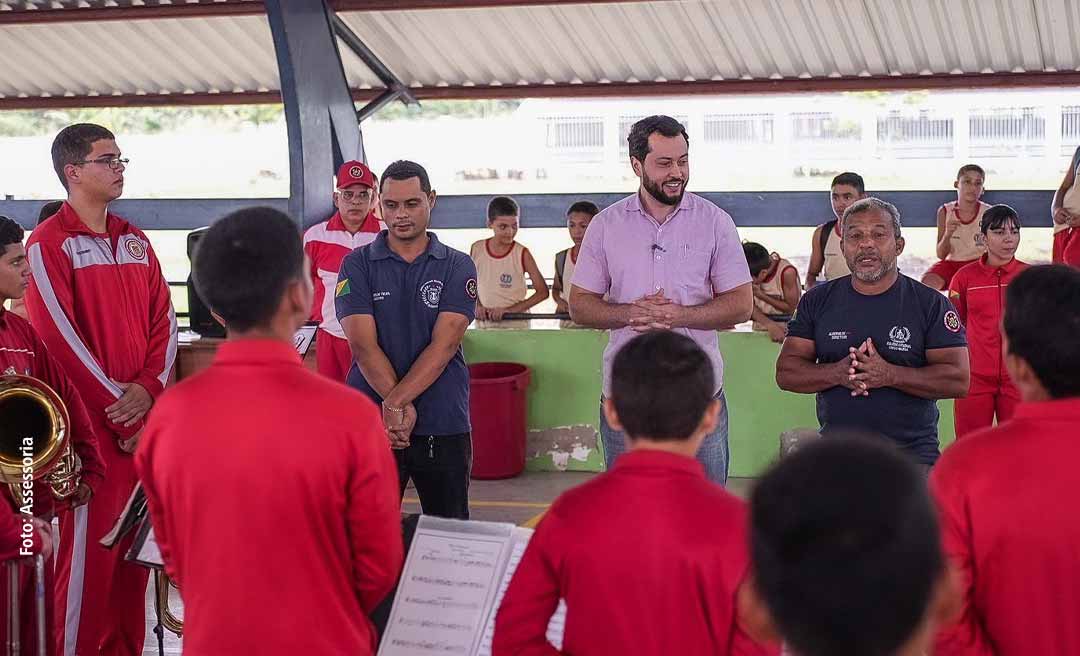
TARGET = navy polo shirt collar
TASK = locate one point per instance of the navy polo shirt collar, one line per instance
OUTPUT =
(380, 250)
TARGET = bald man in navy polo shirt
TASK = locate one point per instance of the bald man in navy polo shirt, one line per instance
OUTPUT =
(404, 302)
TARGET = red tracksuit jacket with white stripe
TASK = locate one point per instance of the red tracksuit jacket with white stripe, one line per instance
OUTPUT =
(101, 305)
(978, 293)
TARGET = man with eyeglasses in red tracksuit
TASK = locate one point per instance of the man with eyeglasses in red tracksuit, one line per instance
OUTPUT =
(101, 305)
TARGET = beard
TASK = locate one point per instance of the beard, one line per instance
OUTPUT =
(883, 270)
(656, 190)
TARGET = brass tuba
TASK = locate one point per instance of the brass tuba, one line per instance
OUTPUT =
(34, 443)
(162, 583)
(35, 435)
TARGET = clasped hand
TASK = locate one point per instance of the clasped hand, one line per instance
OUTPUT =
(399, 423)
(866, 370)
(654, 312)
(132, 405)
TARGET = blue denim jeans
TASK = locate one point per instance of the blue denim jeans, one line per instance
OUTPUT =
(713, 453)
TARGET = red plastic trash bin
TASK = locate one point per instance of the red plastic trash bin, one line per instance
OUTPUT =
(497, 409)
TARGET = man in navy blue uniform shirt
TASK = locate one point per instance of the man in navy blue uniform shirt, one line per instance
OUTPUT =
(877, 347)
(404, 302)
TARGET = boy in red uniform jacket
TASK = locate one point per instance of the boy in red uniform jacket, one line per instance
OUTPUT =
(326, 245)
(648, 556)
(99, 302)
(1009, 524)
(272, 490)
(978, 293)
(846, 552)
(23, 354)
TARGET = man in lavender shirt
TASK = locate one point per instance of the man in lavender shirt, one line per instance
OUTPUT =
(663, 259)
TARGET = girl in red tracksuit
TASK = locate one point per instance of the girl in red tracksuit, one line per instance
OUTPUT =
(978, 292)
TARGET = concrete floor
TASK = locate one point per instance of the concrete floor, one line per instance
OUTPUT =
(520, 500)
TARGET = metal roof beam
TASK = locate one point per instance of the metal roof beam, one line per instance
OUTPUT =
(726, 87)
(401, 5)
(395, 87)
(217, 8)
(377, 103)
(143, 100)
(821, 85)
(319, 113)
(133, 12)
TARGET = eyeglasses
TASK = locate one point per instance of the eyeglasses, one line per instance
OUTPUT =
(114, 163)
(349, 195)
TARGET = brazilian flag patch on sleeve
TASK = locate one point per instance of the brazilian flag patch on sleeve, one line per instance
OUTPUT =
(342, 288)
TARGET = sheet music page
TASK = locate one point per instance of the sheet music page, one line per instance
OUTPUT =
(134, 511)
(557, 621)
(149, 552)
(447, 588)
(303, 338)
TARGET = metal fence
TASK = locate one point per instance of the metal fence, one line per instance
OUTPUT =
(575, 139)
(824, 136)
(739, 129)
(922, 136)
(1070, 129)
(1007, 132)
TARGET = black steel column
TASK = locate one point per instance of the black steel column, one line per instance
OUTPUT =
(319, 112)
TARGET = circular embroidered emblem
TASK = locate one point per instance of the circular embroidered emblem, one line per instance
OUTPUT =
(470, 288)
(135, 249)
(356, 172)
(952, 321)
(430, 292)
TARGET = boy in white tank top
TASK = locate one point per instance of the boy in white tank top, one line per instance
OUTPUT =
(835, 264)
(501, 266)
(776, 289)
(960, 241)
(825, 254)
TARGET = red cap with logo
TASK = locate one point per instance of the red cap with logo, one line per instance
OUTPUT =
(355, 173)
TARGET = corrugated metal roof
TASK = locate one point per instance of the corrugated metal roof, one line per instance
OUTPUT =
(684, 45)
(734, 39)
(145, 57)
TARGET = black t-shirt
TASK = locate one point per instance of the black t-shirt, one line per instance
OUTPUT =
(904, 322)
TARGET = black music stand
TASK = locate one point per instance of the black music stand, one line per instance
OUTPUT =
(159, 628)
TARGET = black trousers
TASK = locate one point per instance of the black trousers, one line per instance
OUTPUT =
(439, 466)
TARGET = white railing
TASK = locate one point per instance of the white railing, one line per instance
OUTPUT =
(739, 129)
(922, 136)
(1007, 132)
(1070, 129)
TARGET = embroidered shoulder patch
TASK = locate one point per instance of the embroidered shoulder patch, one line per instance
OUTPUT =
(342, 288)
(135, 248)
(952, 321)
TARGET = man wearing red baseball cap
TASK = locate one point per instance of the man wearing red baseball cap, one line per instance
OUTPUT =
(326, 244)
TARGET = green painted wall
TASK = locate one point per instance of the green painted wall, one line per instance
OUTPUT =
(565, 392)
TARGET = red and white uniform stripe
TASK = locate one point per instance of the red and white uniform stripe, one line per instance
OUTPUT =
(326, 245)
(101, 305)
